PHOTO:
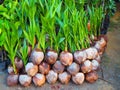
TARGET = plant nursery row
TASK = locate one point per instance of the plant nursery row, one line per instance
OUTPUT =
(50, 40)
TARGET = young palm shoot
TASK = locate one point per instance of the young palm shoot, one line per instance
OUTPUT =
(11, 42)
(23, 52)
(29, 30)
(79, 55)
(65, 56)
(37, 54)
(83, 32)
(48, 22)
(96, 15)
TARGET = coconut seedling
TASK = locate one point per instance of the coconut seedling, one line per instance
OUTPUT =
(74, 31)
(32, 30)
(96, 16)
(83, 32)
(79, 34)
(37, 54)
(8, 18)
(11, 41)
(65, 56)
(23, 52)
(24, 31)
(29, 28)
(51, 55)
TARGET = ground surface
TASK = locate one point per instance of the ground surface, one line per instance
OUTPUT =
(110, 67)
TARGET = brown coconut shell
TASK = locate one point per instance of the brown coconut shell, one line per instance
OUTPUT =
(78, 78)
(66, 58)
(95, 65)
(37, 56)
(29, 50)
(11, 70)
(73, 68)
(25, 80)
(51, 56)
(12, 80)
(19, 63)
(86, 66)
(91, 53)
(31, 69)
(103, 36)
(39, 79)
(58, 67)
(51, 77)
(98, 58)
(91, 77)
(80, 56)
(64, 77)
(44, 68)
(102, 50)
(101, 43)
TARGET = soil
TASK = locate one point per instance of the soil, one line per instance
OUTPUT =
(109, 73)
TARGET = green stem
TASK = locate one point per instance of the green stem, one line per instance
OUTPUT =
(65, 45)
(78, 46)
(14, 67)
(51, 43)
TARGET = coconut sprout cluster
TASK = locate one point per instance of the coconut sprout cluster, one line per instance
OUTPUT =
(80, 66)
(50, 40)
